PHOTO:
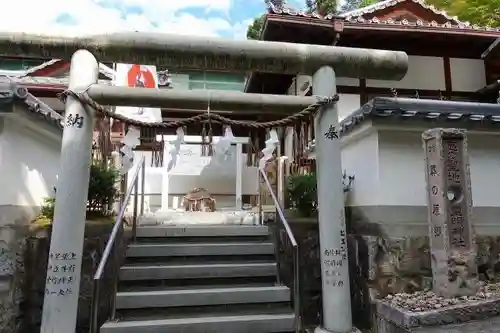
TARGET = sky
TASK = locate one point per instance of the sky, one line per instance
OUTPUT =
(223, 18)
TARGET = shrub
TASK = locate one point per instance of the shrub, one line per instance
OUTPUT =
(47, 210)
(302, 194)
(102, 193)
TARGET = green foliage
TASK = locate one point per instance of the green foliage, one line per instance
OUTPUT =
(480, 12)
(322, 7)
(255, 28)
(47, 210)
(365, 3)
(302, 194)
(349, 5)
(102, 192)
(102, 189)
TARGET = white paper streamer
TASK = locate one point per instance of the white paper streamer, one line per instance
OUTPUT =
(271, 145)
(175, 147)
(222, 147)
(130, 141)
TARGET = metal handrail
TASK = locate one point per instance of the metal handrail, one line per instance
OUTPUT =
(110, 246)
(295, 247)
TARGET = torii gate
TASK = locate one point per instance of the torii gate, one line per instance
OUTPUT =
(199, 53)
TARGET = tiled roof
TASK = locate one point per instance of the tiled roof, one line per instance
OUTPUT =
(42, 80)
(9, 93)
(356, 16)
(419, 109)
(41, 66)
(422, 109)
(391, 3)
(103, 69)
(420, 23)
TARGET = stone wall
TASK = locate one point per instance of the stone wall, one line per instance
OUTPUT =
(403, 264)
(379, 265)
(23, 265)
(306, 233)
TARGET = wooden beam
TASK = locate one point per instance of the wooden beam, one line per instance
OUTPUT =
(447, 77)
(491, 49)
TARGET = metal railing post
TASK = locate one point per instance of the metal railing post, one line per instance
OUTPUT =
(95, 307)
(113, 249)
(136, 202)
(280, 219)
(143, 186)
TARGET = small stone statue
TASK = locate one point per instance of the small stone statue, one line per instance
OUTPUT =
(199, 200)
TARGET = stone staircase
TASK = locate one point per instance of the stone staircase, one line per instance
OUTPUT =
(201, 279)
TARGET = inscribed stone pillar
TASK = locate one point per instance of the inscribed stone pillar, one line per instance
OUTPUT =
(453, 252)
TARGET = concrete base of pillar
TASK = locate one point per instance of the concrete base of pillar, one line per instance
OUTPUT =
(322, 330)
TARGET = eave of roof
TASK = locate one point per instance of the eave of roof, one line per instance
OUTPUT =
(34, 71)
(10, 93)
(42, 81)
(421, 109)
(353, 23)
(391, 3)
(463, 27)
(408, 109)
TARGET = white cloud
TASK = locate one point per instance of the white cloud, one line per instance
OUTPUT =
(101, 16)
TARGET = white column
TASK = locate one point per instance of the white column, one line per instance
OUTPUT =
(332, 229)
(281, 179)
(239, 175)
(62, 284)
(288, 142)
(164, 181)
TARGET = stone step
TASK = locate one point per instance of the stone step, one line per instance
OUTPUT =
(201, 297)
(198, 271)
(200, 249)
(165, 231)
(260, 323)
(136, 285)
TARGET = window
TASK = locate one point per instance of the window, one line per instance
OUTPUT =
(211, 81)
(19, 64)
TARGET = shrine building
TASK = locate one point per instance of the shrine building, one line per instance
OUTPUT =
(451, 82)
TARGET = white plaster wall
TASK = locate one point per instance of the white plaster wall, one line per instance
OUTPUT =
(53, 103)
(217, 179)
(467, 74)
(29, 163)
(360, 159)
(402, 170)
(347, 104)
(347, 81)
(301, 81)
(423, 73)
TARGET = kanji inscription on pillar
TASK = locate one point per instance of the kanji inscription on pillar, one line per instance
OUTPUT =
(449, 200)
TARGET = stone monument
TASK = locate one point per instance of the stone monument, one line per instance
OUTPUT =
(459, 303)
(453, 252)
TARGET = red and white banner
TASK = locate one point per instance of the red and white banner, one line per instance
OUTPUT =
(140, 76)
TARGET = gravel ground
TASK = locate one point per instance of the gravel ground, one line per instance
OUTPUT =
(427, 300)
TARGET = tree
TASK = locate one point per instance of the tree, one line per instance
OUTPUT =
(480, 12)
(322, 7)
(254, 29)
(356, 4)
